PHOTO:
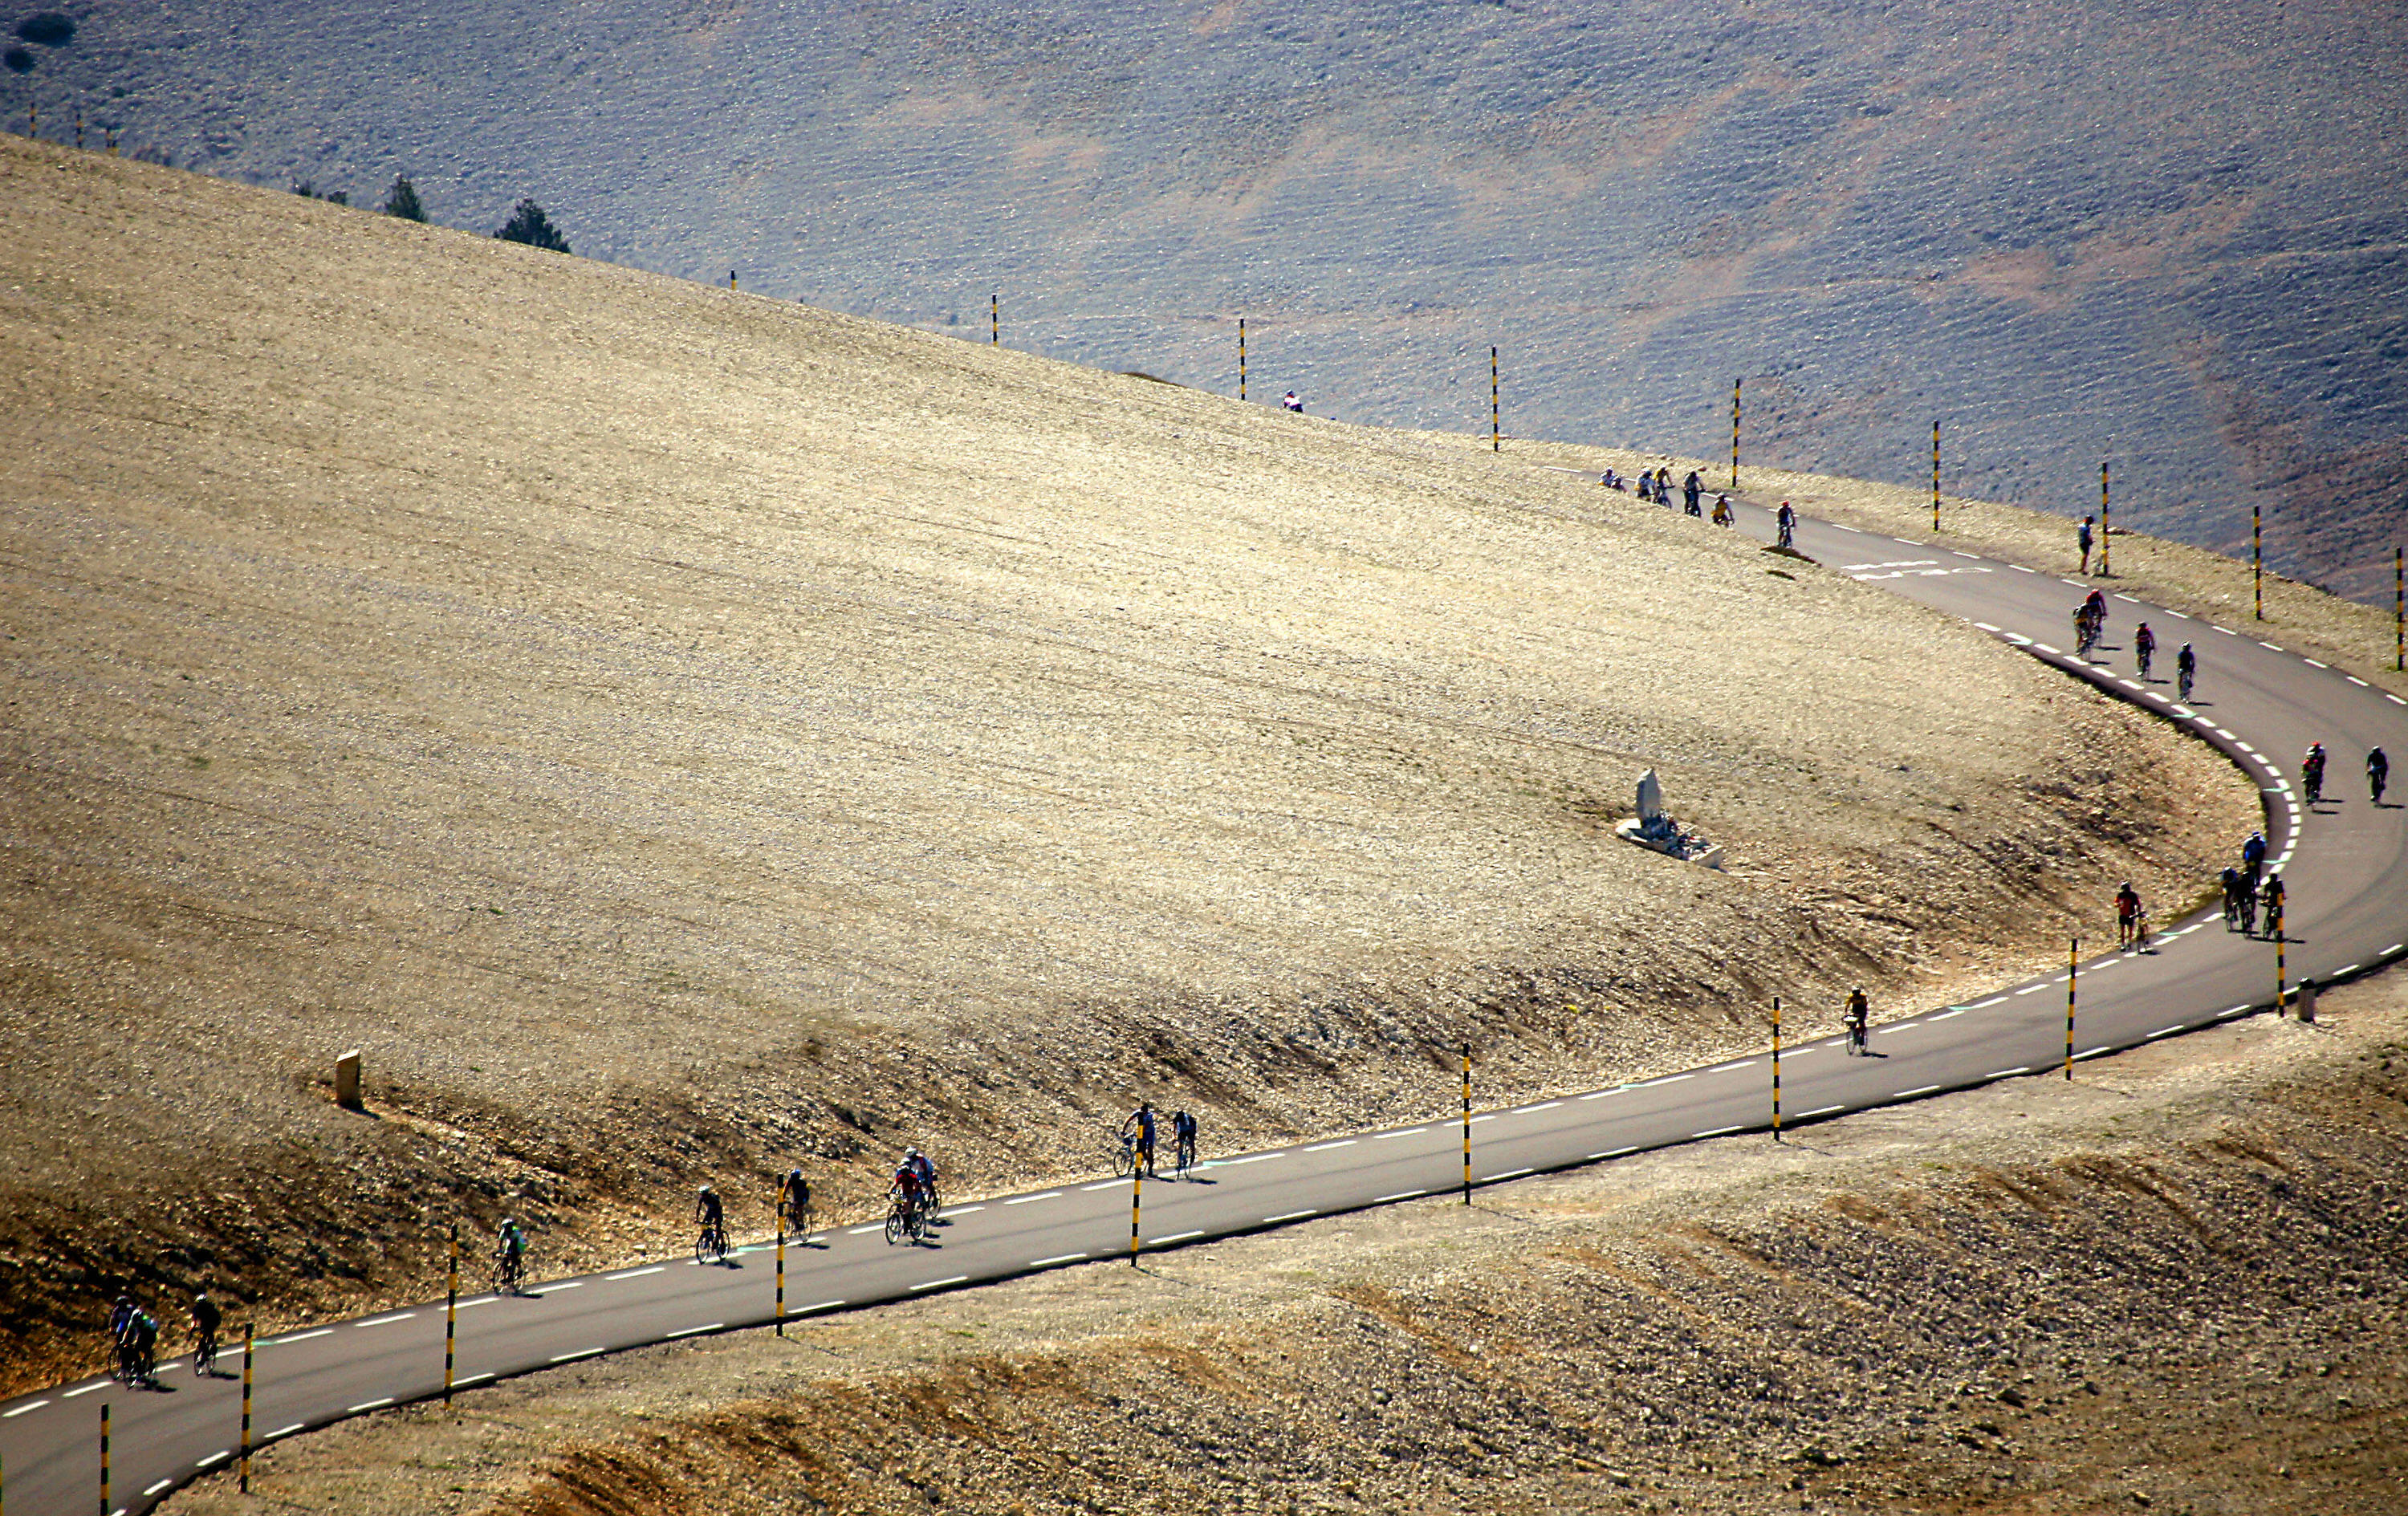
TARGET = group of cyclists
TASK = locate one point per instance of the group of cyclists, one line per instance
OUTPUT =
(2090, 625)
(1138, 1136)
(2312, 773)
(2252, 891)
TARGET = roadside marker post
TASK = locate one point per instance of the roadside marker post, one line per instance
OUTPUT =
(249, 1356)
(1467, 1123)
(1935, 476)
(1734, 483)
(993, 320)
(1496, 414)
(2072, 975)
(1241, 357)
(2256, 561)
(104, 1458)
(450, 1313)
(2398, 614)
(2106, 524)
(1776, 1068)
(782, 1271)
(1137, 1194)
(2282, 987)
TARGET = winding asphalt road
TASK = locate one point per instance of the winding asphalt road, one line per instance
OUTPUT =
(2345, 863)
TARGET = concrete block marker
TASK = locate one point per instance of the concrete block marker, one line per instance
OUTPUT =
(347, 1080)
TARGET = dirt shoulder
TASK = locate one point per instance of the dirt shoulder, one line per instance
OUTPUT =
(2174, 1283)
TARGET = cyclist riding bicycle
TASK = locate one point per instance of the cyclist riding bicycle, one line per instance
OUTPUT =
(2270, 902)
(907, 1210)
(926, 1172)
(2186, 669)
(206, 1317)
(2253, 857)
(711, 1217)
(1182, 1139)
(2312, 772)
(2378, 772)
(794, 1201)
(1139, 1131)
(510, 1255)
(2144, 647)
(1859, 1020)
(2231, 879)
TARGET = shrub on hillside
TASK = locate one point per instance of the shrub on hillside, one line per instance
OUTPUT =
(48, 29)
(402, 200)
(17, 60)
(530, 225)
(308, 190)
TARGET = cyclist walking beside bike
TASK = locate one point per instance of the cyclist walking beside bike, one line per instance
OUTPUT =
(1137, 1132)
(2128, 914)
(2378, 773)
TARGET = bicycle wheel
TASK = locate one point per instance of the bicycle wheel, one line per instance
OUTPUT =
(205, 1357)
(1126, 1159)
(896, 1221)
(916, 1227)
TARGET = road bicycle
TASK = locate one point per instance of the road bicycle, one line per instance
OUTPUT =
(205, 1354)
(710, 1244)
(509, 1268)
(794, 1214)
(906, 1221)
(1182, 1155)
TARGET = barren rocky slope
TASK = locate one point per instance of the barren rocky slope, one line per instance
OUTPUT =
(2167, 235)
(676, 733)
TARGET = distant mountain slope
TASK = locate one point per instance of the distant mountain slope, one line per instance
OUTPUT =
(2166, 236)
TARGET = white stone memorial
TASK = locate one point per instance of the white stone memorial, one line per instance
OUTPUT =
(1654, 829)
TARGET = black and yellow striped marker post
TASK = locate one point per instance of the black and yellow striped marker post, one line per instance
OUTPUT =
(2282, 979)
(2072, 973)
(781, 1263)
(1241, 357)
(2399, 613)
(1935, 476)
(2256, 562)
(1496, 437)
(1137, 1200)
(994, 319)
(450, 1313)
(1776, 1068)
(249, 1356)
(1734, 483)
(2106, 523)
(1467, 1123)
(104, 1458)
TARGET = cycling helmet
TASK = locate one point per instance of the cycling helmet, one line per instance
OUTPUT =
(705, 1189)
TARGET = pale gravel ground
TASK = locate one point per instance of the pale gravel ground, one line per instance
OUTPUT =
(675, 733)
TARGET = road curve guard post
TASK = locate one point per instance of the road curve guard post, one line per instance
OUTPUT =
(104, 1459)
(249, 1356)
(780, 1205)
(451, 1307)
(1467, 1123)
(2072, 976)
(347, 1080)
(1776, 1068)
(1137, 1194)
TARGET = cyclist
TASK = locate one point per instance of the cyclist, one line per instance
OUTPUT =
(904, 1194)
(2269, 902)
(2186, 669)
(1787, 522)
(1182, 1139)
(2312, 772)
(2378, 773)
(711, 1217)
(926, 1172)
(2144, 647)
(139, 1353)
(206, 1317)
(1722, 516)
(2253, 857)
(510, 1254)
(1139, 1130)
(794, 1200)
(1859, 1020)
(2127, 912)
(2231, 879)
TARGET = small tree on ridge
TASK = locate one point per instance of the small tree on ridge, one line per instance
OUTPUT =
(402, 200)
(530, 225)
